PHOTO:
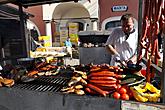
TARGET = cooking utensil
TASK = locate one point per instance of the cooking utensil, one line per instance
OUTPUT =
(26, 79)
(27, 63)
(134, 67)
(121, 63)
(130, 67)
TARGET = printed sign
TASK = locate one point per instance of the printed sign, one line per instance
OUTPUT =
(63, 35)
(120, 8)
(73, 32)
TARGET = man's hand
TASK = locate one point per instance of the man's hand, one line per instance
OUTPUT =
(116, 58)
(129, 62)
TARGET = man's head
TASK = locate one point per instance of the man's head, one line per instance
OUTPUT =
(68, 38)
(127, 23)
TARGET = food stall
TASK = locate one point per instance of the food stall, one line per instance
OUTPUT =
(48, 86)
(10, 35)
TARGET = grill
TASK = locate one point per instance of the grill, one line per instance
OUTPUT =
(43, 84)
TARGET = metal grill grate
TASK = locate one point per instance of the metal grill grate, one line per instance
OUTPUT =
(44, 84)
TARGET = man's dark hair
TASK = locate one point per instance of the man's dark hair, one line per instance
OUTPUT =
(126, 17)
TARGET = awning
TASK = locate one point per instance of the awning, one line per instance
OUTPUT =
(9, 12)
(27, 3)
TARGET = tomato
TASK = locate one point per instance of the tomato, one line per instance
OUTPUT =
(116, 95)
(122, 90)
(125, 97)
(126, 87)
(130, 95)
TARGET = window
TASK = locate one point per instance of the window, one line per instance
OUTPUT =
(112, 24)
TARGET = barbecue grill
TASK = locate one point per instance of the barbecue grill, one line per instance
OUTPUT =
(24, 99)
(43, 93)
(43, 84)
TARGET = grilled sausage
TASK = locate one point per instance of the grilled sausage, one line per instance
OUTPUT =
(96, 89)
(103, 78)
(101, 74)
(107, 87)
(102, 82)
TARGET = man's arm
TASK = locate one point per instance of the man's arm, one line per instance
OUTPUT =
(112, 50)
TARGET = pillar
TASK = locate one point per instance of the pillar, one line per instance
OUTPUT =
(49, 31)
(94, 25)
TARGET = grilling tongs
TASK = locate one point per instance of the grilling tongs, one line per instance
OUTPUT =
(123, 64)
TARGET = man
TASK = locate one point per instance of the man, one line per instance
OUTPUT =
(122, 43)
(68, 42)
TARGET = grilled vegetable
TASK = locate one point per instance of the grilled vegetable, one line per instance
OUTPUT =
(8, 82)
(78, 87)
(31, 73)
(138, 96)
(128, 81)
(79, 92)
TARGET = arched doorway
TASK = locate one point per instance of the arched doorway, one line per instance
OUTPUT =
(68, 15)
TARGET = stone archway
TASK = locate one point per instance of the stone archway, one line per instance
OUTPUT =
(70, 12)
(65, 11)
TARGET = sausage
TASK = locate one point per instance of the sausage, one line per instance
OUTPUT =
(157, 54)
(95, 69)
(102, 82)
(94, 92)
(107, 87)
(31, 73)
(41, 65)
(106, 75)
(96, 89)
(88, 90)
(103, 74)
(154, 10)
(148, 75)
(158, 9)
(103, 78)
(161, 20)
